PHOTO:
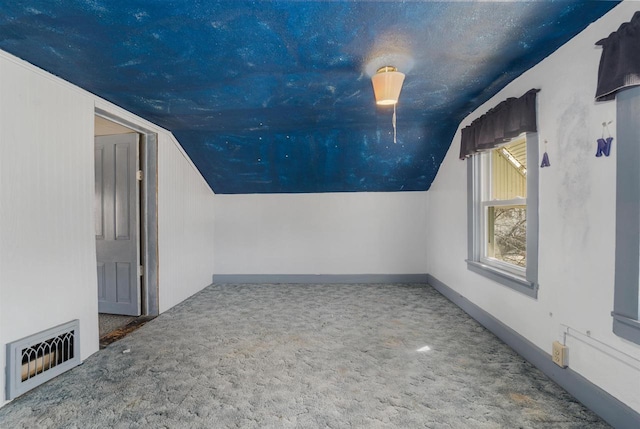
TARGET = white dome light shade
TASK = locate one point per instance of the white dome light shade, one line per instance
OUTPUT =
(387, 84)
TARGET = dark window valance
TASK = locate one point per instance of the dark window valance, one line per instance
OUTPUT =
(620, 60)
(507, 120)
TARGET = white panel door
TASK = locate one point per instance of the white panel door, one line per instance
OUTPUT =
(116, 166)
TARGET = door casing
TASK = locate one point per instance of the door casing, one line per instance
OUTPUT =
(149, 291)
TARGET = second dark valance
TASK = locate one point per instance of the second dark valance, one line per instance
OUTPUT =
(620, 61)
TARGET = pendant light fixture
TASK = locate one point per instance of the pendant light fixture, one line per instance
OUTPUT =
(387, 84)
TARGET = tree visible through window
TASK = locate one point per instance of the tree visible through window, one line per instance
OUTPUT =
(509, 235)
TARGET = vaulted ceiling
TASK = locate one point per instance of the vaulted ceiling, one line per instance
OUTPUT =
(275, 96)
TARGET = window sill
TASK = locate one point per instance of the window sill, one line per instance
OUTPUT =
(626, 328)
(505, 278)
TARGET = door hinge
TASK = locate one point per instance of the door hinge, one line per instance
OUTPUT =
(140, 270)
(139, 175)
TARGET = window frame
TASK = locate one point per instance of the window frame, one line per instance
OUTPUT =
(486, 183)
(522, 280)
(626, 323)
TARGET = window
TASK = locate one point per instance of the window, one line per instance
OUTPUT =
(503, 226)
(504, 206)
(626, 304)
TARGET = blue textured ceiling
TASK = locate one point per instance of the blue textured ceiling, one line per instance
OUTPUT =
(272, 96)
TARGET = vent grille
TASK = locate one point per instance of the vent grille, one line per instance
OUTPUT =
(38, 358)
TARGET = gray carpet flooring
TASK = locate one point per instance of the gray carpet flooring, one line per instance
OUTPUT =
(305, 356)
(110, 322)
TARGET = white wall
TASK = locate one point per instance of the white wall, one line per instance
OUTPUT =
(577, 220)
(47, 244)
(333, 233)
(47, 235)
(185, 226)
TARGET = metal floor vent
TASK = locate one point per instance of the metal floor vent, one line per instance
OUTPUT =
(38, 358)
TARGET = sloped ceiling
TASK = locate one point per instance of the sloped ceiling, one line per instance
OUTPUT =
(274, 96)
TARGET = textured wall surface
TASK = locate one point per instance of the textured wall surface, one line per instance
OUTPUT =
(576, 228)
(47, 229)
(274, 96)
(185, 226)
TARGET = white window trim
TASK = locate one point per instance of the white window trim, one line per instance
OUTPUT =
(521, 280)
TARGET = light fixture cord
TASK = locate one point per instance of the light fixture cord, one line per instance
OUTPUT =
(393, 122)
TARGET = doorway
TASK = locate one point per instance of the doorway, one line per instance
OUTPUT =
(126, 223)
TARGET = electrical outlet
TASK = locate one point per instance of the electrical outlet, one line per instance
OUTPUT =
(559, 354)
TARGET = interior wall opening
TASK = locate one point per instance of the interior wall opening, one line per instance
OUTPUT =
(126, 225)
